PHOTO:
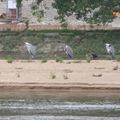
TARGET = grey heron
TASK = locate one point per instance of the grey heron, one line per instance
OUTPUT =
(31, 49)
(68, 50)
(110, 50)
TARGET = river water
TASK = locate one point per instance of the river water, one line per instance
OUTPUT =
(58, 118)
(60, 108)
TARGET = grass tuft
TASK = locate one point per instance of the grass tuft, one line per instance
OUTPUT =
(59, 59)
(44, 60)
(53, 76)
(65, 76)
(9, 59)
(88, 58)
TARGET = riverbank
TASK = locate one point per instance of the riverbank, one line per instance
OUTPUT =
(73, 77)
(50, 43)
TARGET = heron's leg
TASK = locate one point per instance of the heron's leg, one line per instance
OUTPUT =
(113, 56)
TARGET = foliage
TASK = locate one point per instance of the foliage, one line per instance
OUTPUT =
(19, 3)
(88, 41)
(44, 60)
(10, 42)
(9, 59)
(92, 11)
(88, 58)
(39, 1)
(37, 11)
(39, 14)
(118, 58)
(34, 7)
(59, 59)
(64, 24)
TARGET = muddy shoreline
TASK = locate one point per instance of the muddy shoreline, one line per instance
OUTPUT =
(61, 90)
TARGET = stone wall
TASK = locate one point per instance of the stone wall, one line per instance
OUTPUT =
(3, 6)
(26, 11)
(49, 15)
(21, 27)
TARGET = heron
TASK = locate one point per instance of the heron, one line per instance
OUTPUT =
(110, 50)
(31, 49)
(69, 52)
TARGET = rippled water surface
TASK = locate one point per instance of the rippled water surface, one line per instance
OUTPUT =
(60, 108)
(58, 118)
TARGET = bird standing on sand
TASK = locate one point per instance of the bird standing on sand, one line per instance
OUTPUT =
(31, 49)
(69, 52)
(110, 50)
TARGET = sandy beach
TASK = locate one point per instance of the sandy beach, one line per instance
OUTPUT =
(34, 75)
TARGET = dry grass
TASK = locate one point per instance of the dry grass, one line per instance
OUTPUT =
(115, 67)
(68, 71)
(97, 75)
(65, 76)
(52, 76)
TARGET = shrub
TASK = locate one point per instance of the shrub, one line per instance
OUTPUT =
(118, 58)
(34, 7)
(77, 61)
(64, 24)
(9, 59)
(44, 60)
(58, 59)
(88, 58)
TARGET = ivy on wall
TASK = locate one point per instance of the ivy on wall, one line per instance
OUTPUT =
(19, 3)
(39, 1)
(37, 11)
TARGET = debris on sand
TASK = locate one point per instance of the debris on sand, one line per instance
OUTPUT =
(68, 71)
(97, 75)
(18, 68)
(100, 68)
(76, 61)
(115, 67)
(18, 75)
(65, 76)
(52, 76)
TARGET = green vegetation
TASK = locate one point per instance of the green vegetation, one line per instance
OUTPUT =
(19, 2)
(9, 59)
(39, 1)
(64, 25)
(50, 43)
(59, 59)
(91, 11)
(88, 58)
(44, 60)
(37, 11)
